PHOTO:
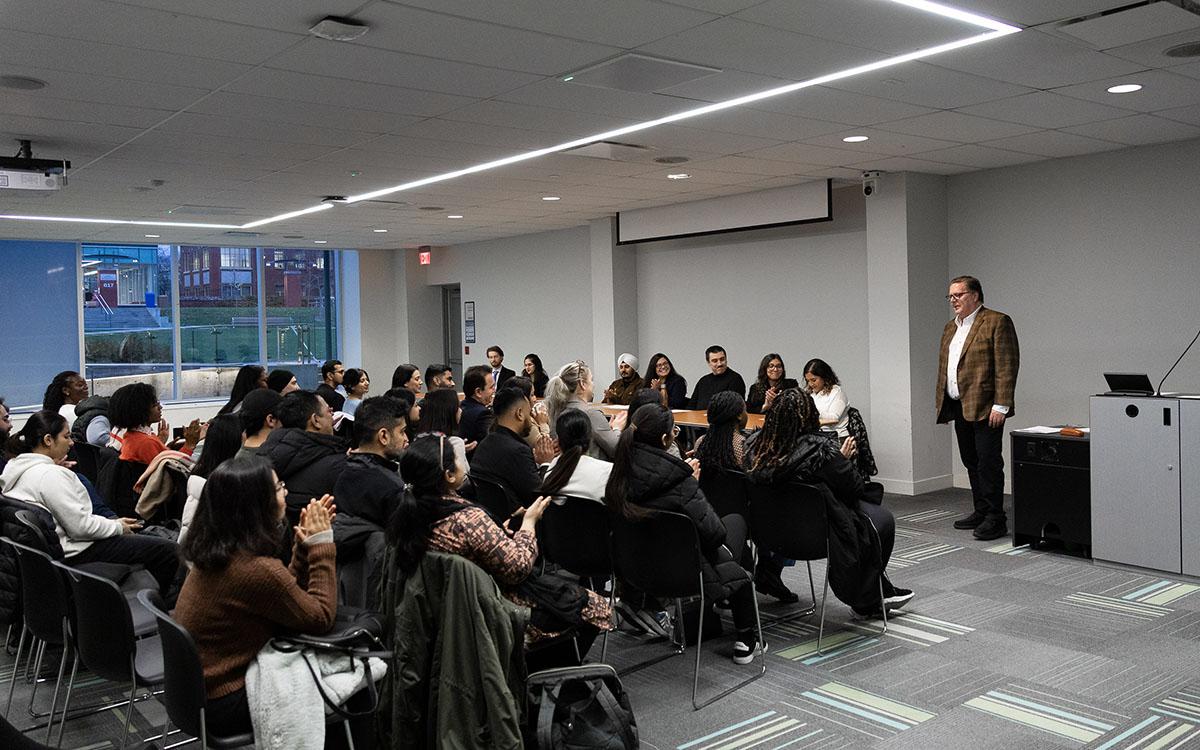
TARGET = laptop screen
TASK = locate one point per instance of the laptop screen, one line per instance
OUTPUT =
(1128, 382)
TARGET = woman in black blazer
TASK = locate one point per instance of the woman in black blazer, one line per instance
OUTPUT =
(772, 380)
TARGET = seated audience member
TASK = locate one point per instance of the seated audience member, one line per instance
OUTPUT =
(238, 595)
(827, 394)
(537, 374)
(479, 389)
(357, 384)
(645, 477)
(671, 386)
(407, 376)
(66, 390)
(790, 448)
(222, 442)
(258, 419)
(539, 420)
(411, 406)
(332, 373)
(432, 516)
(135, 409)
(282, 382)
(439, 376)
(571, 388)
(504, 456)
(772, 380)
(572, 472)
(369, 490)
(499, 372)
(651, 396)
(306, 454)
(5, 431)
(622, 389)
(92, 424)
(36, 475)
(721, 378)
(249, 378)
(440, 414)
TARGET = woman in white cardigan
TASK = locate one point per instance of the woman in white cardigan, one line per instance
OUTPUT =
(573, 473)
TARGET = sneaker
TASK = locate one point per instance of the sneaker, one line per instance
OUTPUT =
(898, 599)
(664, 623)
(969, 522)
(772, 585)
(743, 654)
(650, 623)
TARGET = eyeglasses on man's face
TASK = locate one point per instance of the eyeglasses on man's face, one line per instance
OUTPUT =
(952, 296)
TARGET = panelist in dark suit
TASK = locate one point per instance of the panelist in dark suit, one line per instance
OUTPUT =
(476, 420)
(977, 377)
(500, 373)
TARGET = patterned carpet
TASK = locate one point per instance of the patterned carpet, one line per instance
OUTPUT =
(1003, 647)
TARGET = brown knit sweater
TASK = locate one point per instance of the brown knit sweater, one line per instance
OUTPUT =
(232, 613)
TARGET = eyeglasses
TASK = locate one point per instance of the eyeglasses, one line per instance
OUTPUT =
(774, 367)
(280, 486)
(675, 431)
(956, 295)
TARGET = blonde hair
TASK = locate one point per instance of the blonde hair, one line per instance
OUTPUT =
(563, 385)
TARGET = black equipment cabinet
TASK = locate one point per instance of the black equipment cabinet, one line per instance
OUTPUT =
(1052, 492)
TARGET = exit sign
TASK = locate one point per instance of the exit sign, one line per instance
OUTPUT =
(425, 256)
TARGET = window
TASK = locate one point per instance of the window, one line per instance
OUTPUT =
(235, 257)
(301, 313)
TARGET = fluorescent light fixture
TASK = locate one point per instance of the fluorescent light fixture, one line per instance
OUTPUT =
(568, 79)
(87, 263)
(1125, 88)
(993, 29)
(153, 236)
(679, 176)
(90, 273)
(454, 216)
(379, 231)
(320, 242)
(551, 198)
(856, 138)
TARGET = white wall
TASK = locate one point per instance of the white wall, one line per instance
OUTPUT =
(799, 291)
(1097, 260)
(531, 293)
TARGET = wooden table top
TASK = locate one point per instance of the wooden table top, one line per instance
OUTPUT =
(685, 417)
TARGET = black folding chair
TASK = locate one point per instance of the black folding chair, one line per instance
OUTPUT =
(791, 520)
(495, 498)
(660, 555)
(727, 492)
(574, 534)
(90, 458)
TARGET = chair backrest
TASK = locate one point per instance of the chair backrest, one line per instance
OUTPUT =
(44, 598)
(103, 624)
(790, 519)
(574, 533)
(183, 676)
(726, 491)
(495, 498)
(87, 458)
(118, 489)
(40, 528)
(659, 554)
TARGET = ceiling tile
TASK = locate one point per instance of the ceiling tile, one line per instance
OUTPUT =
(1189, 115)
(1035, 59)
(90, 87)
(841, 106)
(1043, 109)
(909, 164)
(981, 157)
(340, 92)
(38, 104)
(926, 85)
(512, 115)
(747, 166)
(1054, 144)
(310, 114)
(881, 142)
(806, 154)
(1160, 90)
(1137, 130)
(283, 15)
(556, 94)
(237, 127)
(764, 124)
(1191, 70)
(728, 84)
(1150, 52)
(1033, 12)
(672, 139)
(955, 126)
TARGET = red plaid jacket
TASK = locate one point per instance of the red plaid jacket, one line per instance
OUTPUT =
(987, 369)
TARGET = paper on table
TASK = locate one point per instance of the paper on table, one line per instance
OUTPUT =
(1041, 429)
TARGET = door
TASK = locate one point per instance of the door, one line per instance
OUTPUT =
(108, 286)
(452, 343)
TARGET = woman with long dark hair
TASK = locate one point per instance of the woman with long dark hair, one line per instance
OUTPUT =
(826, 391)
(440, 413)
(221, 443)
(238, 594)
(357, 383)
(573, 472)
(646, 478)
(537, 374)
(790, 447)
(772, 379)
(671, 386)
(432, 516)
(406, 376)
(249, 378)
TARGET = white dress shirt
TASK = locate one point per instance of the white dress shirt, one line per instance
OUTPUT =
(955, 354)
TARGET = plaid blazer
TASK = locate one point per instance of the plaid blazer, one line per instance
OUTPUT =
(987, 369)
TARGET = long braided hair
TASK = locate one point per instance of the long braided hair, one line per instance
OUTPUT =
(724, 419)
(791, 415)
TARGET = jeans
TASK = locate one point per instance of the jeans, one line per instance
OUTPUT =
(159, 556)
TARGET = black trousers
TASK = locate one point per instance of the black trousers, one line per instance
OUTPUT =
(159, 556)
(741, 601)
(981, 447)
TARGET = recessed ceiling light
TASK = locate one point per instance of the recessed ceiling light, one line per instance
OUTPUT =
(379, 231)
(1125, 88)
(21, 83)
(153, 236)
(454, 216)
(551, 198)
(856, 138)
(679, 176)
(320, 242)
(568, 79)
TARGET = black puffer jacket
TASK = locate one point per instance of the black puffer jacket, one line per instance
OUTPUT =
(308, 462)
(10, 574)
(854, 552)
(663, 482)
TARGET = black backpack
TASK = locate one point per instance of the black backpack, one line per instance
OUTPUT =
(580, 707)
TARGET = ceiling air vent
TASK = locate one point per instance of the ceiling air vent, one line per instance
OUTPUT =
(612, 150)
(634, 72)
(239, 233)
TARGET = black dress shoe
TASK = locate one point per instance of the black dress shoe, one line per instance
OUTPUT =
(991, 529)
(772, 585)
(969, 522)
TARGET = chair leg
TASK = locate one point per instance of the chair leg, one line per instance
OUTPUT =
(824, 594)
(882, 603)
(203, 730)
(812, 589)
(62, 725)
(166, 732)
(62, 666)
(699, 644)
(349, 734)
(129, 707)
(12, 683)
(37, 673)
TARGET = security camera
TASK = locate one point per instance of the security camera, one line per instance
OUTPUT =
(871, 182)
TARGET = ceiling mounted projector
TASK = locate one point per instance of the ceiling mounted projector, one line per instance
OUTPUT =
(23, 172)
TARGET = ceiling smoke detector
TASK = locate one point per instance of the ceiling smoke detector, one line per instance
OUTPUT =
(671, 159)
(339, 29)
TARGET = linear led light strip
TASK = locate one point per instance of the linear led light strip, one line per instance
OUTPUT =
(995, 29)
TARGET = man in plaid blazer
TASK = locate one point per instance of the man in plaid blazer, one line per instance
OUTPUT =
(977, 376)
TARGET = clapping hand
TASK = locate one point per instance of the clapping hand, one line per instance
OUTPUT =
(695, 464)
(619, 421)
(769, 398)
(316, 517)
(545, 449)
(164, 430)
(849, 447)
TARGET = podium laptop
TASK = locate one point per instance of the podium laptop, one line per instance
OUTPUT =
(1128, 384)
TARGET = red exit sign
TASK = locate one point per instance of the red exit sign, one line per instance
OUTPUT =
(425, 256)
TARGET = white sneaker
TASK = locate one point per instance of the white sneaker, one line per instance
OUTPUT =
(743, 654)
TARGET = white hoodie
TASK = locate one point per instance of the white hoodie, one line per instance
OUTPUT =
(36, 479)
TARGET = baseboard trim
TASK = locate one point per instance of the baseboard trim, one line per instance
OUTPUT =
(919, 487)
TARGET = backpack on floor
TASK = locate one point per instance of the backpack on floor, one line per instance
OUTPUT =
(580, 707)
